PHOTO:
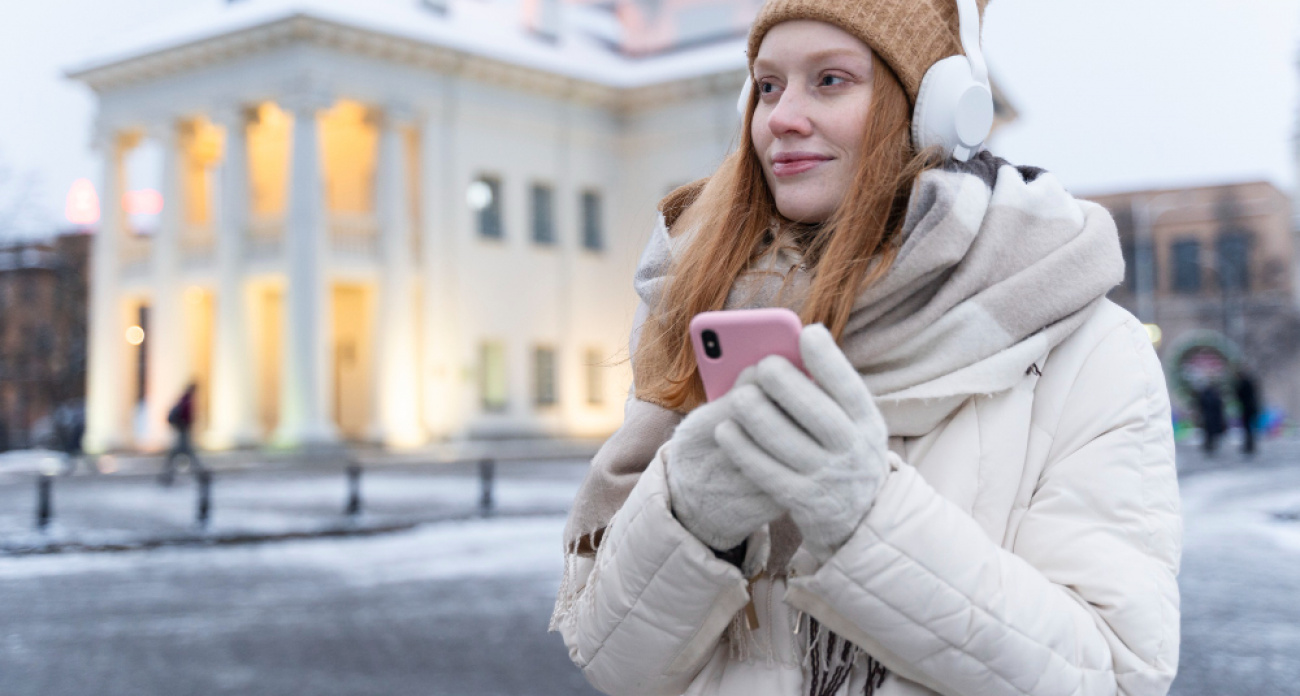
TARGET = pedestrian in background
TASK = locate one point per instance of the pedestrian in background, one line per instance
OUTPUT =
(1209, 403)
(971, 491)
(181, 419)
(1248, 404)
(70, 428)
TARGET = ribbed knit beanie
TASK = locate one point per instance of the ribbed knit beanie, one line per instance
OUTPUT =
(908, 35)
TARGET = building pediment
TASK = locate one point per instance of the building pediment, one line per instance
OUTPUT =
(579, 67)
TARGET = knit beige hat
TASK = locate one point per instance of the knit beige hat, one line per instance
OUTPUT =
(909, 35)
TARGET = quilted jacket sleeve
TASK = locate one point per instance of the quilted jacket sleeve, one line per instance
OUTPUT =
(656, 601)
(1086, 600)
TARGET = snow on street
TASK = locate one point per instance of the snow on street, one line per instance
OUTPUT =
(450, 608)
(461, 608)
(1240, 583)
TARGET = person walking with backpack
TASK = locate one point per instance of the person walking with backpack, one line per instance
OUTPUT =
(181, 418)
(971, 490)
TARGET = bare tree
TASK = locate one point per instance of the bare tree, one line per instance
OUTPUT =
(17, 191)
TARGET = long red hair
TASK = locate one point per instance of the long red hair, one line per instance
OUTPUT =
(732, 216)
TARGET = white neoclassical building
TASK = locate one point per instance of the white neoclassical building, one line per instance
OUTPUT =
(394, 220)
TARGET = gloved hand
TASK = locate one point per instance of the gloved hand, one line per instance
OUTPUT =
(710, 497)
(819, 447)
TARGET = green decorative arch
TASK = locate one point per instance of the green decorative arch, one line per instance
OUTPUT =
(1190, 364)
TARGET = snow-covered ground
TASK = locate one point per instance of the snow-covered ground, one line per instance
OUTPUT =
(461, 607)
(1240, 583)
(448, 608)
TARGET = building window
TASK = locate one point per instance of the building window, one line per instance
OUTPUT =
(595, 383)
(543, 214)
(492, 376)
(1187, 266)
(1233, 250)
(485, 199)
(593, 234)
(544, 376)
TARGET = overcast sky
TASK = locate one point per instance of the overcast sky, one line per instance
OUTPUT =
(1112, 94)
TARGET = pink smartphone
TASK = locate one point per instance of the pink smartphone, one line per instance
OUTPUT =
(727, 342)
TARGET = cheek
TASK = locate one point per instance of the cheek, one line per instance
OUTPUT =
(849, 128)
(759, 134)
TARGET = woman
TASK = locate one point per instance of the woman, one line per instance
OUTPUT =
(974, 493)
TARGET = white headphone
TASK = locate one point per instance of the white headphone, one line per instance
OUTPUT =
(954, 107)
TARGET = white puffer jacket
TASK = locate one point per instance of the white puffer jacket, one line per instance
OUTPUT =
(1027, 545)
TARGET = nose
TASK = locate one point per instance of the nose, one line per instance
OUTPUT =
(789, 116)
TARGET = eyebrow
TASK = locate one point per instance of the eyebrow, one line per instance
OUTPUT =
(818, 56)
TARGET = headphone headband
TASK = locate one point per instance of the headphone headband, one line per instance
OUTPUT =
(968, 17)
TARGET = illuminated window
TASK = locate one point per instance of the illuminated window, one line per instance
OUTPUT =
(593, 233)
(543, 214)
(268, 133)
(492, 376)
(544, 376)
(595, 383)
(349, 150)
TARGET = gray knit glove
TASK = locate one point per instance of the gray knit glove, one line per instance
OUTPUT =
(710, 497)
(819, 447)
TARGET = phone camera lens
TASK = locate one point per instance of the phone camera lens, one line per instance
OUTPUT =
(712, 347)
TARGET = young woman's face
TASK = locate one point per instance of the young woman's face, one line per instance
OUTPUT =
(814, 85)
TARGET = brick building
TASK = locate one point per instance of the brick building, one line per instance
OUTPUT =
(1214, 267)
(43, 299)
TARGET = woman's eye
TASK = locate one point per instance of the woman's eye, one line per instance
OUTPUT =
(830, 80)
(766, 88)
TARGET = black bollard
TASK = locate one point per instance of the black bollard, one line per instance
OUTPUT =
(44, 501)
(486, 472)
(204, 508)
(354, 490)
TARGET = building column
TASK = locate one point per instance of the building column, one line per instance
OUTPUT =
(443, 195)
(305, 387)
(398, 404)
(569, 357)
(168, 366)
(233, 408)
(105, 400)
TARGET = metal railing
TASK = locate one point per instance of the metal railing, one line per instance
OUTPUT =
(354, 472)
(265, 237)
(354, 234)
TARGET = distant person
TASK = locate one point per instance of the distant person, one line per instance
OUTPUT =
(1248, 401)
(1213, 424)
(70, 428)
(181, 418)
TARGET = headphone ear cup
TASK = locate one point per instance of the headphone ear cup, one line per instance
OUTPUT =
(742, 102)
(953, 110)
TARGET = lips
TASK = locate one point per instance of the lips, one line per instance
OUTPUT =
(791, 163)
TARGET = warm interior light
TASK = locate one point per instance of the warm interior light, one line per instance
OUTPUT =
(135, 335)
(82, 205)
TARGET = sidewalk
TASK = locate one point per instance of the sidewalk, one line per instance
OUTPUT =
(263, 497)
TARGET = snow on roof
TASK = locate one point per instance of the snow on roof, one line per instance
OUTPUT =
(488, 28)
